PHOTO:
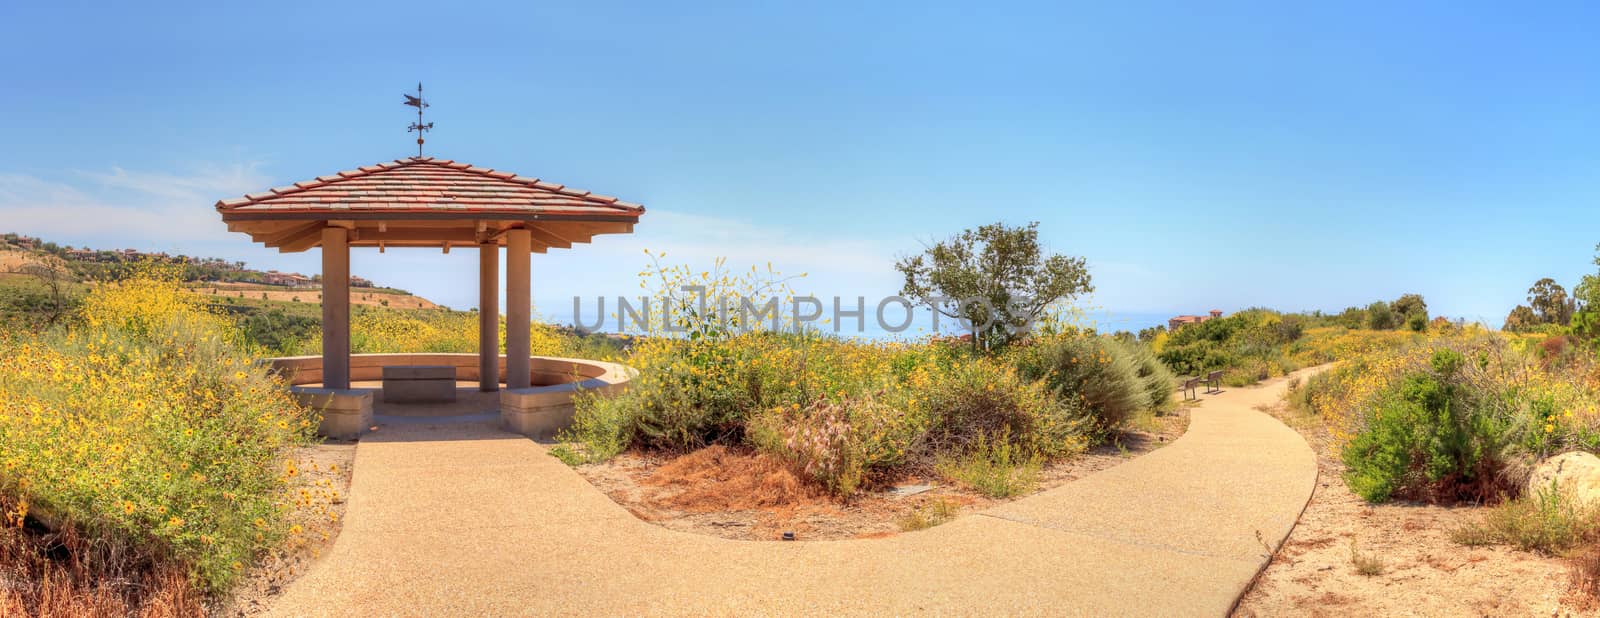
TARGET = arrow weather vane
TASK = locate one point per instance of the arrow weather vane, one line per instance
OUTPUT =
(418, 126)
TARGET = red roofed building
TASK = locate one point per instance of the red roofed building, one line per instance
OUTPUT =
(1185, 320)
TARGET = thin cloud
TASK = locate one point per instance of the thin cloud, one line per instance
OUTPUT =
(154, 208)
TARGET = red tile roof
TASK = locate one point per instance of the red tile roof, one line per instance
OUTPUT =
(426, 185)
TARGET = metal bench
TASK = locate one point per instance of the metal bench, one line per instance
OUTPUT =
(1214, 382)
(1189, 386)
(419, 384)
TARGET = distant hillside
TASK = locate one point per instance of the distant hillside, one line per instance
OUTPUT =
(210, 276)
(378, 297)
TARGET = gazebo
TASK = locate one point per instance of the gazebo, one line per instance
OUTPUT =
(428, 202)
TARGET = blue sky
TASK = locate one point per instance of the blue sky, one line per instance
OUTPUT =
(1199, 155)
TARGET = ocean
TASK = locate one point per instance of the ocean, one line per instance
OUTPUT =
(1102, 320)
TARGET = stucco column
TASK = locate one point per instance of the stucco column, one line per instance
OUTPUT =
(335, 307)
(489, 316)
(519, 304)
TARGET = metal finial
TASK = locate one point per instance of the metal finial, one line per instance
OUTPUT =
(418, 126)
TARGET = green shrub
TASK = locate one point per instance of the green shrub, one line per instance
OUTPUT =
(1428, 437)
(1240, 377)
(822, 441)
(602, 431)
(149, 428)
(891, 404)
(1157, 380)
(979, 398)
(994, 467)
(1099, 373)
(839, 443)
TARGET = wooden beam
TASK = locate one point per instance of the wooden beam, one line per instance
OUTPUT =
(300, 240)
(541, 235)
(396, 235)
(262, 227)
(278, 238)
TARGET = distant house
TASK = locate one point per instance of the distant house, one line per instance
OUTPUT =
(360, 282)
(1185, 320)
(293, 280)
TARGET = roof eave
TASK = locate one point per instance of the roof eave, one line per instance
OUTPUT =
(413, 215)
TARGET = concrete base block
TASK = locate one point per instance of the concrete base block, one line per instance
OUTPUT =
(541, 423)
(419, 391)
(346, 414)
(543, 411)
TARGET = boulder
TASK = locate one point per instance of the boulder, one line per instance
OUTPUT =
(1575, 472)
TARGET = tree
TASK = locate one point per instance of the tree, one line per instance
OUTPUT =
(1586, 295)
(1408, 306)
(51, 301)
(1352, 317)
(996, 279)
(1586, 303)
(1549, 301)
(1290, 327)
(1380, 316)
(1520, 319)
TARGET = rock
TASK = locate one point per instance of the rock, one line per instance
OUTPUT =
(908, 490)
(1575, 472)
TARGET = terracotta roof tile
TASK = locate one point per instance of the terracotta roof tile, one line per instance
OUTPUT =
(421, 184)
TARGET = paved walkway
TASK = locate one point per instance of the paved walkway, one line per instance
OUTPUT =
(467, 520)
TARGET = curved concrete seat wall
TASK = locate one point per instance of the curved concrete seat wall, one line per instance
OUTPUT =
(538, 411)
(543, 370)
(542, 411)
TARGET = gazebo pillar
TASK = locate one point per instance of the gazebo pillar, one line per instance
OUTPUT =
(519, 304)
(489, 316)
(335, 308)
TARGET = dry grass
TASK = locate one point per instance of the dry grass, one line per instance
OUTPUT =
(1549, 522)
(64, 574)
(1583, 578)
(717, 478)
(1367, 565)
(931, 514)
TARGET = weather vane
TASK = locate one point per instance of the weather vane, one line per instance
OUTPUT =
(418, 126)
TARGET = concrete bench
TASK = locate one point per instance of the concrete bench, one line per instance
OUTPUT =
(419, 384)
